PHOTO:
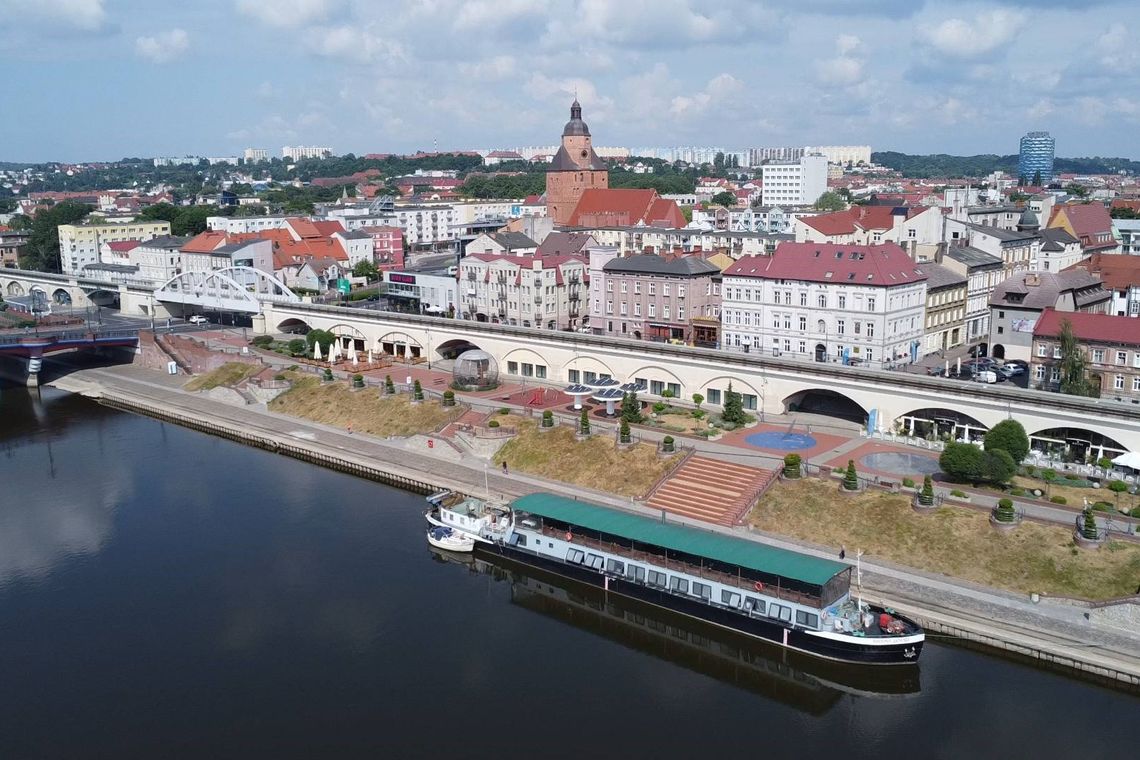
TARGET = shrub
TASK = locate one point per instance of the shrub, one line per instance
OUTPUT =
(389, 386)
(1118, 487)
(280, 376)
(631, 408)
(668, 394)
(502, 410)
(297, 347)
(358, 381)
(667, 443)
(699, 414)
(1103, 506)
(1008, 436)
(1058, 500)
(623, 431)
(417, 391)
(584, 423)
(958, 493)
(1104, 463)
(908, 482)
(660, 406)
(262, 341)
(449, 398)
(1031, 471)
(493, 424)
(548, 418)
(328, 374)
(792, 465)
(1004, 511)
(1017, 491)
(1048, 475)
(966, 462)
(850, 477)
(698, 399)
(1088, 526)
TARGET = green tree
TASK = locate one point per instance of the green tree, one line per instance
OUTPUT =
(998, 466)
(926, 496)
(1117, 487)
(1123, 212)
(698, 399)
(733, 407)
(962, 461)
(365, 269)
(389, 386)
(726, 199)
(1004, 511)
(1075, 379)
(1088, 526)
(324, 337)
(1079, 191)
(792, 464)
(42, 252)
(1037, 178)
(160, 212)
(417, 391)
(584, 423)
(192, 220)
(1008, 436)
(631, 409)
(830, 201)
(296, 347)
(850, 477)
(623, 431)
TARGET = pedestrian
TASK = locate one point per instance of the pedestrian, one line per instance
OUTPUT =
(505, 467)
(350, 428)
(842, 552)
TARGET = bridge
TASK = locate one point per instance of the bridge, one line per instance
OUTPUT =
(884, 401)
(33, 347)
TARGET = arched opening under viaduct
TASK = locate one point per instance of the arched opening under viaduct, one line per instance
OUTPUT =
(451, 349)
(61, 297)
(15, 289)
(1074, 444)
(293, 326)
(937, 423)
(826, 403)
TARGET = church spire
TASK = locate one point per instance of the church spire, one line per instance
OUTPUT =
(575, 110)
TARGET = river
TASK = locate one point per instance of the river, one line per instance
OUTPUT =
(168, 594)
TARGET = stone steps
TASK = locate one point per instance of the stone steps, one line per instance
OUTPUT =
(710, 490)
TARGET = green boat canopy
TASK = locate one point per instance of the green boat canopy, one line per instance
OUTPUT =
(701, 543)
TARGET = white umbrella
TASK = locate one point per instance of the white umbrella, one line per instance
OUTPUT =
(377, 347)
(352, 354)
(317, 350)
(334, 351)
(1129, 459)
(370, 356)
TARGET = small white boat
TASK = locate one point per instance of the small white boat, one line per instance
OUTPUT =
(450, 540)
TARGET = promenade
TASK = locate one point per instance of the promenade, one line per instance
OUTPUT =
(1050, 630)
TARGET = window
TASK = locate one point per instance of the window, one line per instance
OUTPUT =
(713, 395)
(752, 604)
(1118, 382)
(1001, 315)
(615, 567)
(540, 371)
(652, 288)
(665, 311)
(624, 288)
(680, 291)
(1001, 330)
(840, 326)
(637, 286)
(512, 368)
(652, 310)
(595, 561)
(803, 324)
(807, 619)
(803, 298)
(635, 573)
(1121, 357)
(675, 389)
(1136, 383)
(656, 387)
(870, 329)
(703, 590)
(802, 347)
(680, 313)
(664, 288)
(748, 401)
(658, 579)
(732, 598)
(527, 370)
(1042, 349)
(610, 287)
(1039, 372)
(1056, 352)
(679, 585)
(856, 326)
(1098, 355)
(575, 555)
(609, 307)
(572, 376)
(871, 304)
(822, 301)
(843, 302)
(621, 308)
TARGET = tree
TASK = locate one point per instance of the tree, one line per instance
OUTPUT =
(726, 199)
(1078, 190)
(1088, 526)
(624, 431)
(1008, 436)
(365, 269)
(998, 466)
(1117, 487)
(630, 409)
(733, 407)
(850, 477)
(324, 337)
(296, 347)
(926, 496)
(192, 220)
(698, 399)
(1123, 212)
(1004, 512)
(830, 201)
(389, 386)
(1075, 380)
(42, 252)
(1037, 178)
(584, 423)
(160, 212)
(792, 464)
(961, 461)
(417, 391)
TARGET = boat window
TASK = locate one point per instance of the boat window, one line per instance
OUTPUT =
(636, 573)
(518, 539)
(731, 598)
(575, 555)
(775, 610)
(680, 585)
(786, 614)
(657, 578)
(807, 619)
(758, 605)
(615, 567)
(702, 590)
(595, 561)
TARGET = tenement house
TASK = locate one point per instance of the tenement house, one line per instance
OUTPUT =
(531, 291)
(1018, 302)
(840, 303)
(1110, 346)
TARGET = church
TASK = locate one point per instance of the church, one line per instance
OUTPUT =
(575, 169)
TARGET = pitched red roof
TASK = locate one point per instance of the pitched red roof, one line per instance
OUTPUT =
(884, 265)
(1131, 203)
(622, 207)
(1116, 271)
(1088, 327)
(857, 217)
(1088, 220)
(124, 246)
(205, 242)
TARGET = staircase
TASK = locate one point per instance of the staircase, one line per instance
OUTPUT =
(711, 490)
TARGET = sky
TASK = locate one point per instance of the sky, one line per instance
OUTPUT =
(104, 79)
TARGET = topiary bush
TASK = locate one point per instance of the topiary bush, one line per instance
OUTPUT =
(417, 391)
(358, 381)
(449, 398)
(958, 494)
(1058, 500)
(328, 374)
(1004, 511)
(504, 410)
(584, 423)
(1017, 491)
(792, 466)
(548, 419)
(623, 432)
(667, 443)
(262, 341)
(493, 424)
(908, 482)
(926, 497)
(1088, 526)
(850, 477)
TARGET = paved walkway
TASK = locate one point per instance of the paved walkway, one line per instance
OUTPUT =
(1059, 626)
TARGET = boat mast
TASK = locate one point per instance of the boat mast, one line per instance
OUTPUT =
(859, 577)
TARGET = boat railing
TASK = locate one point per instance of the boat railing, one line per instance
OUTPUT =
(706, 573)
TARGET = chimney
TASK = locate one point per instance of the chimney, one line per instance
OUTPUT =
(1032, 280)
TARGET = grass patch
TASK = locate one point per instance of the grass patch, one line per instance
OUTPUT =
(594, 463)
(954, 541)
(365, 410)
(230, 373)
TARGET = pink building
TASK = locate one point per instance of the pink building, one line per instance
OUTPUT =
(651, 297)
(387, 246)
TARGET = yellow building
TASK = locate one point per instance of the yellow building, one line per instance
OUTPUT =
(79, 244)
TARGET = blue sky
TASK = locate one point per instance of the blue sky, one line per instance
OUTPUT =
(102, 79)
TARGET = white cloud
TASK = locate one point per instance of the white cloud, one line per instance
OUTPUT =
(492, 69)
(719, 89)
(288, 13)
(840, 71)
(984, 34)
(847, 43)
(354, 44)
(87, 15)
(163, 47)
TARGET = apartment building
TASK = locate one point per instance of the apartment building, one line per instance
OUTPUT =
(1120, 276)
(1109, 344)
(1019, 301)
(826, 302)
(79, 244)
(646, 296)
(531, 291)
(793, 183)
(947, 296)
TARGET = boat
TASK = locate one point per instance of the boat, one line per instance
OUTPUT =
(798, 601)
(452, 540)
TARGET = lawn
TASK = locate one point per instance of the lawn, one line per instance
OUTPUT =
(955, 541)
(230, 373)
(365, 410)
(594, 463)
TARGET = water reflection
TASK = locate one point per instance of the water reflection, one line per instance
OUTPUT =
(806, 683)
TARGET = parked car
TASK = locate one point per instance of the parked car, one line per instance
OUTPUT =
(452, 270)
(1011, 370)
(986, 376)
(198, 319)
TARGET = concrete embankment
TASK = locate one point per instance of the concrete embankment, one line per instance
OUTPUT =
(1058, 636)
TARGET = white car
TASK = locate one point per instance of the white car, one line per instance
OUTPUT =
(198, 319)
(452, 270)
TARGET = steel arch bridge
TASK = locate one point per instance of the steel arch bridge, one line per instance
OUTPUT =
(228, 289)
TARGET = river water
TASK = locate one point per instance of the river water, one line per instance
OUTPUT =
(167, 594)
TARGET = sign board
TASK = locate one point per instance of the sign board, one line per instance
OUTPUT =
(343, 285)
(172, 368)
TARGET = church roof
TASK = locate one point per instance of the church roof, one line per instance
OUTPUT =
(563, 162)
(575, 126)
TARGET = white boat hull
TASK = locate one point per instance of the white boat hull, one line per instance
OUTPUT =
(453, 542)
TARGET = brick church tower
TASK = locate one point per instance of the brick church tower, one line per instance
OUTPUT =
(575, 169)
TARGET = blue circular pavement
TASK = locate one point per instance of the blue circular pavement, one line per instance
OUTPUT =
(899, 463)
(773, 439)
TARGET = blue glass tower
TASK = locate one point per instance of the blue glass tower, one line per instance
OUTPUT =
(1036, 156)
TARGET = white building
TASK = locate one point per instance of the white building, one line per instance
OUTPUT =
(234, 225)
(253, 155)
(531, 291)
(794, 183)
(849, 304)
(158, 259)
(419, 293)
(256, 254)
(80, 244)
(843, 154)
(503, 243)
(426, 225)
(297, 152)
